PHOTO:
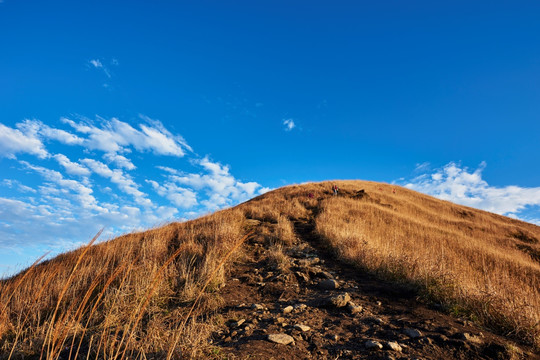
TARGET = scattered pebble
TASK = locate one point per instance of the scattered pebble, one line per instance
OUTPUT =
(283, 339)
(412, 333)
(373, 345)
(257, 307)
(328, 284)
(287, 309)
(302, 327)
(392, 345)
(353, 308)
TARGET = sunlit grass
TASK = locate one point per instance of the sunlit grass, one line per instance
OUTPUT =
(145, 293)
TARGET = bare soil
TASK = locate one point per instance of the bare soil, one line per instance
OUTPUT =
(257, 295)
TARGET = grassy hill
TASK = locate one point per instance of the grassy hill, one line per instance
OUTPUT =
(158, 293)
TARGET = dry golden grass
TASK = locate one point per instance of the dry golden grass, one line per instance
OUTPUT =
(144, 293)
(475, 262)
(122, 298)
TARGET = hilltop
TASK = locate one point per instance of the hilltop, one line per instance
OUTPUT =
(378, 271)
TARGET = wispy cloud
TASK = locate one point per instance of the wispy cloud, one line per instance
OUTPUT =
(179, 196)
(124, 182)
(115, 136)
(72, 168)
(461, 185)
(15, 184)
(22, 140)
(119, 160)
(289, 124)
(219, 185)
(96, 63)
(91, 180)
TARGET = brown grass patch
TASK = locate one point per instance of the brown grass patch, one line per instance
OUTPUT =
(133, 295)
(463, 257)
(146, 293)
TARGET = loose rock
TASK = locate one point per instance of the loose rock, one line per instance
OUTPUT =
(235, 324)
(287, 309)
(337, 301)
(302, 327)
(412, 333)
(257, 307)
(393, 346)
(283, 339)
(353, 308)
(373, 345)
(328, 284)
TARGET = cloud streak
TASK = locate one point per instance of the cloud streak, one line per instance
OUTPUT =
(97, 64)
(458, 184)
(85, 175)
(22, 140)
(289, 124)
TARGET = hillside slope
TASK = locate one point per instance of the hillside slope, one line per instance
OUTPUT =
(174, 291)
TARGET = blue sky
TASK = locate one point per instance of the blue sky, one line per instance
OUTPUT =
(125, 115)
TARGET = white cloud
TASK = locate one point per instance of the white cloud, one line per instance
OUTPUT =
(83, 193)
(22, 140)
(96, 63)
(181, 197)
(167, 169)
(115, 136)
(463, 186)
(289, 124)
(15, 184)
(72, 168)
(119, 160)
(123, 181)
(71, 199)
(222, 188)
(60, 135)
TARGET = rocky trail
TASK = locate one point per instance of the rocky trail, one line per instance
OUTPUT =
(314, 306)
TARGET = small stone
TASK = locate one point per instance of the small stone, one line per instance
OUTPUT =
(300, 307)
(328, 284)
(378, 303)
(353, 308)
(392, 345)
(373, 345)
(337, 301)
(412, 333)
(280, 320)
(238, 323)
(302, 327)
(283, 339)
(257, 307)
(287, 309)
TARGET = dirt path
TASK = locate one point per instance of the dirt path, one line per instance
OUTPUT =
(330, 310)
